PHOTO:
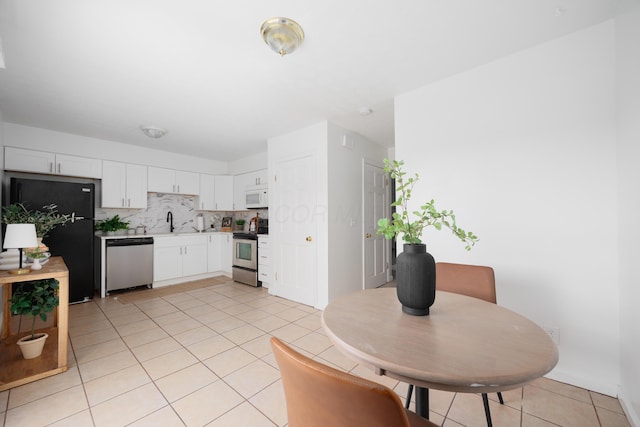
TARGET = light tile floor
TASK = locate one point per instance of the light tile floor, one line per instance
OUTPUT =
(202, 357)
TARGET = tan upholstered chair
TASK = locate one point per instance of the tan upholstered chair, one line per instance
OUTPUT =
(320, 396)
(471, 280)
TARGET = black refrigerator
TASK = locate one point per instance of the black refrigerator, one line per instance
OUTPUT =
(74, 241)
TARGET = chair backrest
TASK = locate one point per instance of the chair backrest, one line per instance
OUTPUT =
(472, 280)
(320, 396)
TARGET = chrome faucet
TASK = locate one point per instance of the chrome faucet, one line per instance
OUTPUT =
(170, 221)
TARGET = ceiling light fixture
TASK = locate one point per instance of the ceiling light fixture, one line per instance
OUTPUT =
(153, 131)
(365, 111)
(283, 35)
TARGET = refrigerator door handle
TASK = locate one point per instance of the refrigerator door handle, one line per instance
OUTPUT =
(75, 218)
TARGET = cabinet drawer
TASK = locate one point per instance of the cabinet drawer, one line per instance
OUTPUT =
(263, 259)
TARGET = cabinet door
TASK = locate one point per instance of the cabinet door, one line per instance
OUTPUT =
(213, 253)
(113, 184)
(78, 166)
(136, 191)
(207, 193)
(187, 183)
(19, 159)
(261, 177)
(161, 180)
(226, 252)
(167, 262)
(224, 193)
(194, 258)
(240, 183)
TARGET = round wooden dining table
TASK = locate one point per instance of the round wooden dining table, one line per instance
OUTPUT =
(464, 345)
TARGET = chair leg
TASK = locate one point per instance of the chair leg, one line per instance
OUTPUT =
(487, 411)
(409, 392)
(500, 398)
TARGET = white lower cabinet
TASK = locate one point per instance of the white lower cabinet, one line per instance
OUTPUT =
(226, 252)
(175, 257)
(220, 253)
(264, 261)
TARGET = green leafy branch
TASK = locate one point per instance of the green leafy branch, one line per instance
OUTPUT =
(428, 215)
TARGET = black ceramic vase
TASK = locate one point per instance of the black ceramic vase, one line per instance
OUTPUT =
(416, 279)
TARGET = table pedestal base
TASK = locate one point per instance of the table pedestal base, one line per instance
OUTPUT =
(422, 402)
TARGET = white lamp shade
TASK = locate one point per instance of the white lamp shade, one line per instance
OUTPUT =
(20, 236)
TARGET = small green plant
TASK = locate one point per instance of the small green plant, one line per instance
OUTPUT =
(240, 222)
(112, 224)
(45, 220)
(35, 298)
(36, 253)
(428, 215)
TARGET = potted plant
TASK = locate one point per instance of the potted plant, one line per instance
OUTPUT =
(36, 255)
(111, 225)
(240, 224)
(35, 298)
(45, 220)
(415, 267)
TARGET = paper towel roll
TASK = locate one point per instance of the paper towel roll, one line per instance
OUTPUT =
(200, 223)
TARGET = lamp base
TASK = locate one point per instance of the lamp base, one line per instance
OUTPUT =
(20, 271)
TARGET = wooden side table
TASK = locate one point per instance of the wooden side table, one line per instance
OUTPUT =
(15, 369)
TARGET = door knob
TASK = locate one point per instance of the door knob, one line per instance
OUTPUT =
(368, 235)
(308, 239)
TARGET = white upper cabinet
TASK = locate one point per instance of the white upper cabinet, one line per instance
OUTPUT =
(258, 177)
(216, 193)
(24, 160)
(242, 181)
(188, 182)
(124, 185)
(137, 186)
(161, 180)
(207, 193)
(224, 192)
(172, 181)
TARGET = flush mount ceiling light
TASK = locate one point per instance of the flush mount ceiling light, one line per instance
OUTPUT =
(153, 131)
(283, 35)
(365, 111)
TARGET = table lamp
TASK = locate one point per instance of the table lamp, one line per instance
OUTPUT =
(19, 236)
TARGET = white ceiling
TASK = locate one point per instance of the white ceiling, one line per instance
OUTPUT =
(200, 69)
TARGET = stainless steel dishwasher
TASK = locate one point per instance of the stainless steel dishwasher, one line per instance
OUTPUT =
(129, 263)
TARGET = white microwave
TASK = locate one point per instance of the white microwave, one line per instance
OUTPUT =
(256, 196)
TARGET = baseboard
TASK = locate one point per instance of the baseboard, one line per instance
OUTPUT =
(632, 416)
(609, 389)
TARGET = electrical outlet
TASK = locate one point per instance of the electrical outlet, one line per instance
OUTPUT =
(554, 333)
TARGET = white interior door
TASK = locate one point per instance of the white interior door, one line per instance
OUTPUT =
(295, 228)
(374, 207)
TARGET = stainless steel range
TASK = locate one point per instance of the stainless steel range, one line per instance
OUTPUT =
(245, 258)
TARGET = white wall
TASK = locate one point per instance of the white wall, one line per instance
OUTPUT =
(250, 163)
(628, 114)
(523, 149)
(65, 143)
(345, 208)
(338, 212)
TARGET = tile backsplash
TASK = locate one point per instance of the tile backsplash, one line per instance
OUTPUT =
(184, 214)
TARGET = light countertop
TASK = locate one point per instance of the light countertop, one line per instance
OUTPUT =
(175, 234)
